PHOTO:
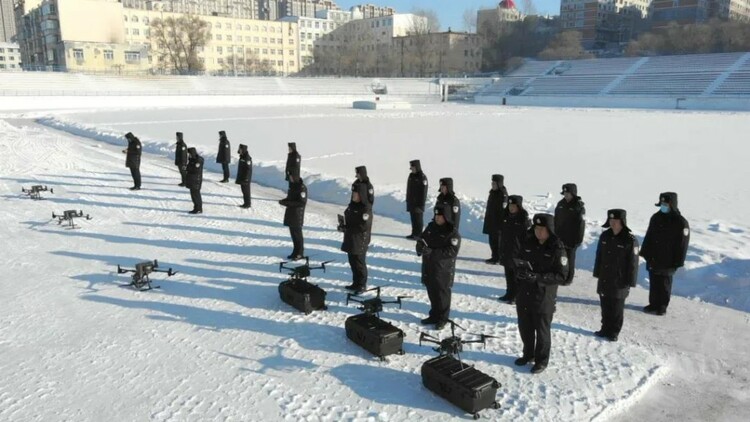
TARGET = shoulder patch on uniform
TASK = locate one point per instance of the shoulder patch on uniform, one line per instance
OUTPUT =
(197, 164)
(455, 209)
(685, 232)
(226, 146)
(183, 148)
(636, 249)
(303, 194)
(564, 260)
(424, 182)
(370, 191)
(454, 241)
(365, 216)
(298, 160)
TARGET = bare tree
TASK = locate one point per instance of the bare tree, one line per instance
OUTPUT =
(528, 7)
(565, 46)
(433, 22)
(470, 20)
(177, 42)
(420, 50)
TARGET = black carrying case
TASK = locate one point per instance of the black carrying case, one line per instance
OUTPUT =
(375, 335)
(460, 384)
(303, 296)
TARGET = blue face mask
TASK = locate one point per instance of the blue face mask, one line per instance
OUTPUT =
(665, 208)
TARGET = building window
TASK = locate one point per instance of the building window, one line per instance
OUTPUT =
(256, 39)
(273, 51)
(273, 40)
(265, 51)
(220, 61)
(291, 40)
(265, 40)
(280, 41)
(78, 53)
(218, 37)
(145, 20)
(132, 56)
(280, 63)
(229, 26)
(217, 25)
(109, 55)
(219, 50)
(229, 38)
(136, 31)
(291, 63)
(135, 19)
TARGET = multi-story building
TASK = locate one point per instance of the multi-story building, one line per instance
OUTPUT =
(244, 9)
(491, 22)
(685, 12)
(305, 8)
(10, 57)
(373, 11)
(102, 35)
(603, 21)
(312, 32)
(7, 21)
(438, 54)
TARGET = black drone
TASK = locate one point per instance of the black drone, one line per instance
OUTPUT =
(35, 192)
(141, 280)
(301, 272)
(373, 306)
(70, 216)
(453, 345)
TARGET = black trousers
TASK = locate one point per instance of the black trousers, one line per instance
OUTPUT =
(245, 194)
(297, 240)
(136, 173)
(534, 328)
(225, 168)
(660, 290)
(183, 173)
(195, 195)
(440, 300)
(494, 240)
(613, 310)
(571, 253)
(359, 269)
(417, 223)
(510, 280)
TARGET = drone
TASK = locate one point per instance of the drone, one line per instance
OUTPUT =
(301, 272)
(35, 192)
(374, 305)
(141, 280)
(70, 216)
(452, 346)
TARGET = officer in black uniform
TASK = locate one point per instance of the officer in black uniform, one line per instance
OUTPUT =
(224, 156)
(493, 216)
(546, 268)
(355, 228)
(616, 268)
(294, 216)
(181, 157)
(416, 197)
(448, 199)
(664, 248)
(514, 226)
(293, 162)
(366, 193)
(194, 180)
(438, 246)
(570, 224)
(133, 159)
(244, 174)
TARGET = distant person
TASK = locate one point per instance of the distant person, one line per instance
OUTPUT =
(366, 192)
(515, 226)
(224, 155)
(244, 175)
(616, 269)
(438, 246)
(570, 225)
(194, 180)
(293, 162)
(537, 290)
(294, 216)
(448, 199)
(133, 159)
(665, 247)
(356, 228)
(181, 157)
(493, 216)
(416, 197)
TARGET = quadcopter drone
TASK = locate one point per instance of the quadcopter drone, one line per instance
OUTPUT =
(301, 272)
(35, 192)
(372, 306)
(140, 279)
(70, 216)
(453, 345)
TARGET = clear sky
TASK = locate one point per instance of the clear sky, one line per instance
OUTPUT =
(451, 12)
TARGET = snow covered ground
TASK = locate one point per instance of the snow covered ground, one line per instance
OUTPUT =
(216, 342)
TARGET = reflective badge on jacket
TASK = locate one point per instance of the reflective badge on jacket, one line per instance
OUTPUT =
(365, 217)
(197, 165)
(424, 182)
(685, 232)
(454, 241)
(303, 194)
(564, 261)
(455, 209)
(636, 250)
(370, 191)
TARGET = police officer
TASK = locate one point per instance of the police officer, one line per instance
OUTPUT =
(181, 157)
(616, 268)
(224, 156)
(194, 180)
(438, 246)
(293, 162)
(547, 268)
(570, 224)
(493, 216)
(448, 199)
(664, 248)
(294, 216)
(514, 226)
(366, 193)
(133, 159)
(356, 228)
(416, 197)
(244, 174)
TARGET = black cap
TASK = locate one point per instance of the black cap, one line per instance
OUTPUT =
(445, 211)
(361, 171)
(545, 220)
(243, 147)
(515, 199)
(569, 187)
(667, 197)
(293, 146)
(617, 214)
(222, 133)
(414, 163)
(192, 151)
(179, 134)
(499, 178)
(129, 135)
